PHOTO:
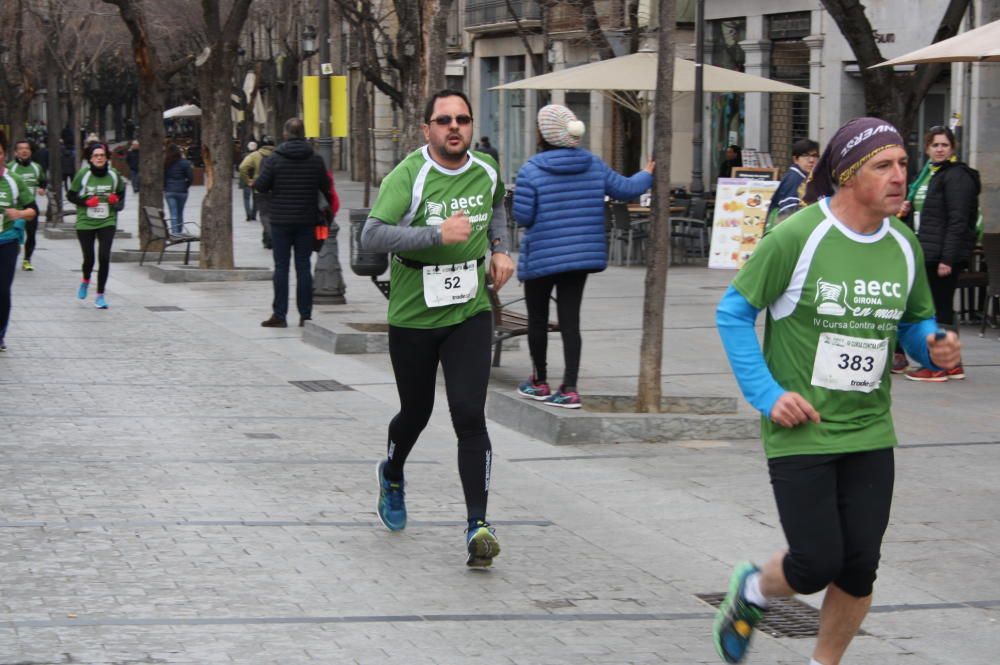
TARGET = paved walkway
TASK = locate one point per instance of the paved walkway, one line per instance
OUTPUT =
(168, 496)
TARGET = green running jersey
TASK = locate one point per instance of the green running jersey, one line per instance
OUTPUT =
(32, 174)
(421, 192)
(834, 299)
(14, 193)
(88, 184)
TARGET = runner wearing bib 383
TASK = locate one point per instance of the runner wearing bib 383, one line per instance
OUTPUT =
(841, 280)
(439, 211)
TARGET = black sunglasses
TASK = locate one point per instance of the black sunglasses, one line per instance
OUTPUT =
(446, 120)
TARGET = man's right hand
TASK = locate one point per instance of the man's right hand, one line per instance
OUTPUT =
(904, 209)
(455, 229)
(792, 410)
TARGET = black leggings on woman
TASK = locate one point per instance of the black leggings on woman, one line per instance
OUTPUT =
(569, 296)
(104, 236)
(463, 351)
(943, 291)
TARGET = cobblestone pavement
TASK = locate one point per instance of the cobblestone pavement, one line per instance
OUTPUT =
(169, 497)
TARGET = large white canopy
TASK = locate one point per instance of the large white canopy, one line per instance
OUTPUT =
(185, 111)
(638, 72)
(979, 45)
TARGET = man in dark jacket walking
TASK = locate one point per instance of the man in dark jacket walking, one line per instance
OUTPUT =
(132, 159)
(293, 175)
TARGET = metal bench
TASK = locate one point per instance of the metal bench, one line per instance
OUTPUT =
(508, 323)
(159, 231)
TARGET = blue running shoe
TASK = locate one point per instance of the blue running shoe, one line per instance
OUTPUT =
(100, 302)
(391, 507)
(736, 617)
(565, 400)
(81, 292)
(482, 545)
(532, 389)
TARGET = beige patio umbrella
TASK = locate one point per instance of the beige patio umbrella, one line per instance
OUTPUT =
(638, 72)
(622, 79)
(979, 45)
(184, 111)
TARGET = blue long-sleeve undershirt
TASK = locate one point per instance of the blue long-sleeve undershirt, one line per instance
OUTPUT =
(735, 318)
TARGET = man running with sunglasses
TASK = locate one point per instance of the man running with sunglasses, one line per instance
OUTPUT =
(438, 212)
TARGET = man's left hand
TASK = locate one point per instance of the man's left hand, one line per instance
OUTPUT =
(943, 270)
(501, 269)
(946, 352)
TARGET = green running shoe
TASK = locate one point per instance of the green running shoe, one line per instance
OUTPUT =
(482, 544)
(736, 618)
(391, 506)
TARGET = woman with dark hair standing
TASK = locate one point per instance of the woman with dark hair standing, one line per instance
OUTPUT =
(17, 206)
(942, 205)
(177, 178)
(560, 201)
(98, 191)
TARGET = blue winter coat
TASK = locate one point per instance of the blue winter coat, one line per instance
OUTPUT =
(559, 199)
(178, 177)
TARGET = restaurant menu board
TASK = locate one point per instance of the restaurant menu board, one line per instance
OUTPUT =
(738, 223)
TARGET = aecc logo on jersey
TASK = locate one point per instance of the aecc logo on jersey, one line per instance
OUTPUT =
(836, 298)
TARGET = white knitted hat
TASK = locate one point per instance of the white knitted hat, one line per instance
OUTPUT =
(559, 126)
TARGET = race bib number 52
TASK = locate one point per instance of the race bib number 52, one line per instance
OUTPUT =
(450, 284)
(849, 363)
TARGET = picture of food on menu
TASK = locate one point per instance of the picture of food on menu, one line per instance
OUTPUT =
(740, 214)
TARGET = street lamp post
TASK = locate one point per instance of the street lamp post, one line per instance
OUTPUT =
(697, 141)
(328, 285)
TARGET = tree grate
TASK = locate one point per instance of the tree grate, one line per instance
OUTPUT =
(787, 617)
(321, 386)
(165, 308)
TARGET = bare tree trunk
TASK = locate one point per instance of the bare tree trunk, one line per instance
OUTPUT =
(214, 84)
(53, 213)
(412, 72)
(152, 100)
(363, 150)
(153, 78)
(75, 104)
(436, 41)
(654, 301)
(888, 96)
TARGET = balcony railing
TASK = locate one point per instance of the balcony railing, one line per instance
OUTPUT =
(485, 13)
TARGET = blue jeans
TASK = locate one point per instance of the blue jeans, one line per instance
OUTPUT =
(248, 204)
(176, 201)
(285, 237)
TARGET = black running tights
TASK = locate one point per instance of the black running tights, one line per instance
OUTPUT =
(104, 237)
(30, 231)
(569, 296)
(463, 351)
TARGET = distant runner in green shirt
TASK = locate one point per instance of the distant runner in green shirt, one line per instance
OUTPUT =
(36, 180)
(99, 194)
(439, 211)
(840, 281)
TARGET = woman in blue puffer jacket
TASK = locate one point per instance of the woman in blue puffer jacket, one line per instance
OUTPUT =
(559, 199)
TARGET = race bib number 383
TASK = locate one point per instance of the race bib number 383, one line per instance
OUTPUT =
(849, 363)
(450, 284)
